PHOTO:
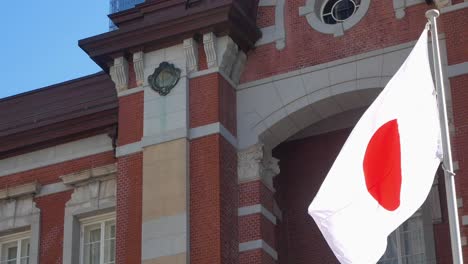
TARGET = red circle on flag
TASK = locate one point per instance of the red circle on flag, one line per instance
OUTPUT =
(382, 166)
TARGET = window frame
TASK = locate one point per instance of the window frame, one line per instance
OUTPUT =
(18, 238)
(101, 219)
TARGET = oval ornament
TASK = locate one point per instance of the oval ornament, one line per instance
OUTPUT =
(164, 78)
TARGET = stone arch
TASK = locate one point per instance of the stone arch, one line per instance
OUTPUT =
(271, 110)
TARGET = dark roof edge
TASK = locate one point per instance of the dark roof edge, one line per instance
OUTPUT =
(55, 85)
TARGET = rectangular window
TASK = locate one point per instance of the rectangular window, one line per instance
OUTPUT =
(406, 244)
(98, 240)
(14, 249)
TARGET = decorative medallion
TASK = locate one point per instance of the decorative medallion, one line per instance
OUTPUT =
(164, 78)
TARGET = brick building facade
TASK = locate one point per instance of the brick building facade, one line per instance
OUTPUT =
(104, 169)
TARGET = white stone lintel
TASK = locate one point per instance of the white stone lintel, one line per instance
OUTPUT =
(257, 209)
(85, 175)
(20, 190)
(258, 244)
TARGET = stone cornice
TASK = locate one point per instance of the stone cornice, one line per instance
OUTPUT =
(158, 24)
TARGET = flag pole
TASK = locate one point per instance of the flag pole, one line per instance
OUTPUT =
(447, 162)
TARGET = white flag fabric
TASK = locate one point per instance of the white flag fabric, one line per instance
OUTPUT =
(386, 168)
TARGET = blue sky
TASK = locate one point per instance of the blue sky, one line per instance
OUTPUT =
(39, 41)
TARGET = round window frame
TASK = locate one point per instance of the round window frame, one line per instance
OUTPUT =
(324, 3)
(313, 12)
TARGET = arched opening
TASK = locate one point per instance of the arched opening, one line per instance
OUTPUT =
(304, 161)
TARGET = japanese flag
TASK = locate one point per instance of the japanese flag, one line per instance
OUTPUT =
(386, 168)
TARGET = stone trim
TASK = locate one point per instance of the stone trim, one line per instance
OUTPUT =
(203, 72)
(128, 149)
(465, 220)
(457, 69)
(130, 91)
(167, 136)
(57, 154)
(20, 190)
(258, 244)
(86, 175)
(193, 133)
(257, 209)
(280, 28)
(211, 129)
(267, 3)
(119, 73)
(277, 32)
(216, 70)
(399, 6)
(456, 7)
(53, 188)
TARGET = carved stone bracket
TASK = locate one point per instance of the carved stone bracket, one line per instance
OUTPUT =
(226, 54)
(229, 57)
(191, 54)
(238, 67)
(138, 65)
(209, 43)
(255, 164)
(119, 74)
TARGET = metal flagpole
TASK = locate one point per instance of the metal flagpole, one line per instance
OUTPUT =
(447, 162)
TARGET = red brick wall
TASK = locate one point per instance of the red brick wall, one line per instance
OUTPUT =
(304, 165)
(205, 217)
(256, 226)
(204, 100)
(212, 99)
(213, 174)
(128, 211)
(50, 174)
(227, 107)
(266, 16)
(255, 192)
(132, 82)
(130, 118)
(305, 46)
(229, 194)
(255, 257)
(442, 230)
(459, 86)
(51, 230)
(454, 26)
(213, 201)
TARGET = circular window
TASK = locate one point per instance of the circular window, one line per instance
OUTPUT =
(337, 11)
